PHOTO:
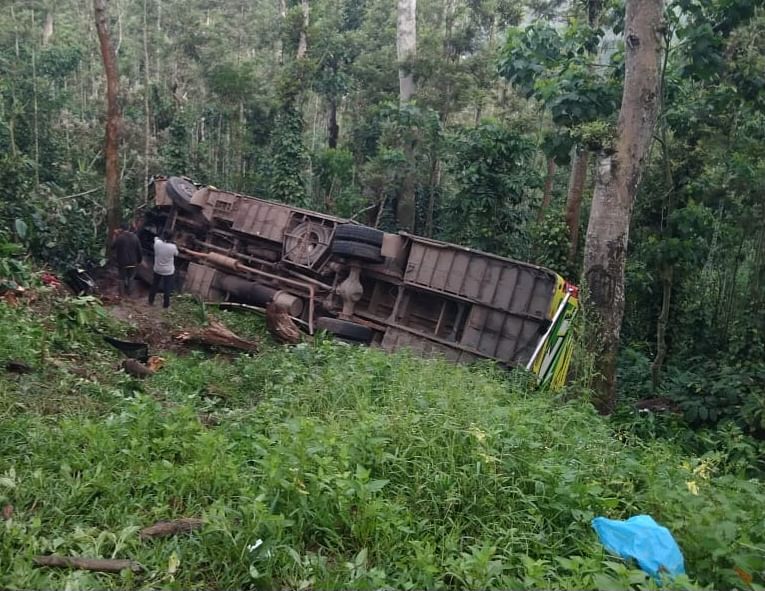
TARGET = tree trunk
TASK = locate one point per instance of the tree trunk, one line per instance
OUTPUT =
(547, 192)
(303, 42)
(333, 129)
(94, 564)
(279, 41)
(580, 160)
(406, 210)
(146, 112)
(47, 28)
(35, 118)
(574, 198)
(113, 121)
(406, 47)
(435, 181)
(661, 328)
(615, 189)
(15, 31)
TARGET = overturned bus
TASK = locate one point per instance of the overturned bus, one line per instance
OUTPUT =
(364, 285)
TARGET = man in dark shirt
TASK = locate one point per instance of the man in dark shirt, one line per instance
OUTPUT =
(127, 251)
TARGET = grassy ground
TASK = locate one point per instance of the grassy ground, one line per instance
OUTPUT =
(327, 466)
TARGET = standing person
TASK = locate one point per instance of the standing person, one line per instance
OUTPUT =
(127, 250)
(164, 267)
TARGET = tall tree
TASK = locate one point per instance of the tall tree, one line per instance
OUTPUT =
(406, 46)
(303, 41)
(113, 119)
(579, 162)
(146, 110)
(616, 185)
(47, 27)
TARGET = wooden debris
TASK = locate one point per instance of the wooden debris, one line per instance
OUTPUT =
(209, 420)
(94, 564)
(11, 296)
(164, 529)
(79, 372)
(136, 368)
(16, 366)
(280, 324)
(155, 363)
(217, 335)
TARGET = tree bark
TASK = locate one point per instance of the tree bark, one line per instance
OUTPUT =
(217, 335)
(661, 328)
(303, 42)
(579, 161)
(94, 564)
(406, 47)
(113, 121)
(615, 189)
(35, 118)
(435, 181)
(574, 198)
(333, 129)
(548, 187)
(164, 529)
(279, 41)
(47, 28)
(146, 111)
(15, 31)
(406, 205)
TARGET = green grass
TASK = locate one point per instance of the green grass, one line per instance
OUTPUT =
(355, 468)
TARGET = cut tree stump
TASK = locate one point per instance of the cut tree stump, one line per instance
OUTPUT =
(163, 529)
(217, 335)
(280, 324)
(94, 564)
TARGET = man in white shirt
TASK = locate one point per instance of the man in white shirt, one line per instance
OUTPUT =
(164, 268)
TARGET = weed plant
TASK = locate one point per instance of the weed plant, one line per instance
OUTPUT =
(332, 466)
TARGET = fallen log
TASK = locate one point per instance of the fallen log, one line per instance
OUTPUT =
(163, 529)
(258, 309)
(94, 564)
(136, 368)
(217, 335)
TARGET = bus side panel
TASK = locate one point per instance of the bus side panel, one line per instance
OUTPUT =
(553, 361)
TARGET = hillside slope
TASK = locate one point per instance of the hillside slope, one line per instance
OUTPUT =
(324, 465)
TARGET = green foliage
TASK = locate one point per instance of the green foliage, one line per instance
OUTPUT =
(288, 158)
(75, 316)
(698, 226)
(14, 271)
(550, 245)
(334, 172)
(711, 393)
(492, 171)
(412, 474)
(174, 152)
(555, 68)
(707, 394)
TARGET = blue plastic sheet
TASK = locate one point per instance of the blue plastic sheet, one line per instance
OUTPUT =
(643, 540)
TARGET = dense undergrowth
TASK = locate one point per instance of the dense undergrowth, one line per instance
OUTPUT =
(325, 466)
